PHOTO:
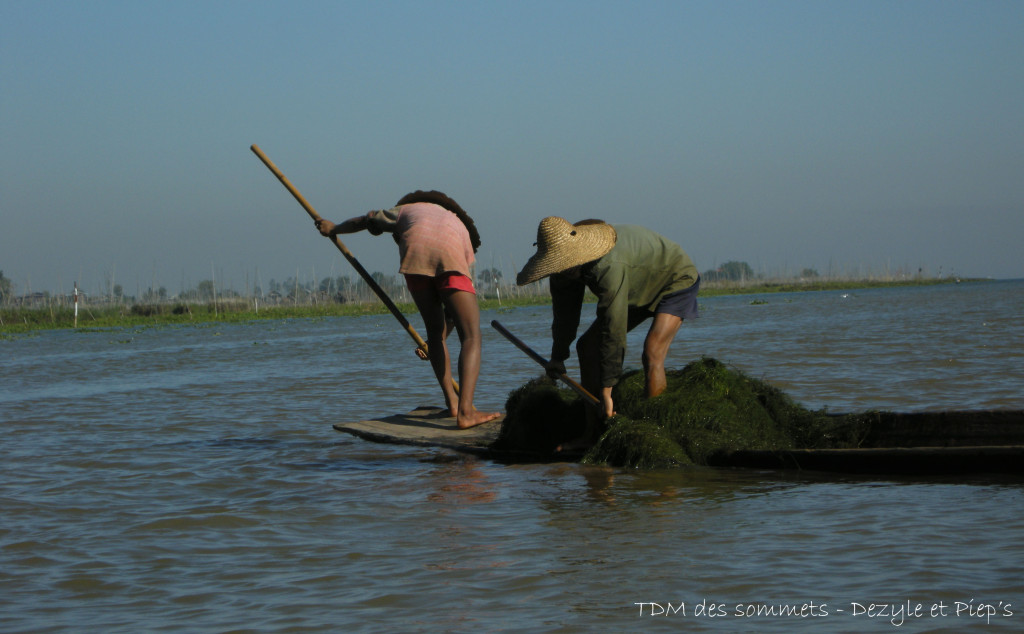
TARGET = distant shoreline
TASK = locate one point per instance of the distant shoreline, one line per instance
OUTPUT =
(17, 319)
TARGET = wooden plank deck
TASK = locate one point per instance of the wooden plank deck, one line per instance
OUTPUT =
(426, 427)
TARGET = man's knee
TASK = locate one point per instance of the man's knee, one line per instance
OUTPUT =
(659, 338)
(653, 359)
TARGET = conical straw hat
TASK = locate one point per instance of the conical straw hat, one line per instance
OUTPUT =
(561, 246)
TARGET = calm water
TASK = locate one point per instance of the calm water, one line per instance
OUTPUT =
(188, 479)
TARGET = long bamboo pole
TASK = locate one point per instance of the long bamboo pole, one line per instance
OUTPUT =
(372, 283)
(579, 389)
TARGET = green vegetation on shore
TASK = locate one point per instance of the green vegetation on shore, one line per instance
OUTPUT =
(753, 287)
(58, 314)
(19, 320)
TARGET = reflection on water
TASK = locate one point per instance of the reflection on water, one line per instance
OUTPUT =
(187, 478)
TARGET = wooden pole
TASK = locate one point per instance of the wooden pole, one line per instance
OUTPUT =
(372, 283)
(579, 389)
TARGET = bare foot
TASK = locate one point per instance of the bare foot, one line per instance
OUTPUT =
(476, 418)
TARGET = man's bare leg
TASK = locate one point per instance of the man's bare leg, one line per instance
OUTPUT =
(659, 338)
(464, 310)
(429, 304)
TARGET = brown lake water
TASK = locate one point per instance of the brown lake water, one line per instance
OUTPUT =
(187, 479)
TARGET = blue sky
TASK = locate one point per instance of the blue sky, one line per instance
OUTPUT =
(844, 136)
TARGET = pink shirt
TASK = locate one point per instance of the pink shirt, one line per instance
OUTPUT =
(431, 240)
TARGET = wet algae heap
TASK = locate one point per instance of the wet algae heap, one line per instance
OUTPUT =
(708, 408)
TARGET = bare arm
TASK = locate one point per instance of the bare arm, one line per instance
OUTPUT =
(329, 229)
(607, 403)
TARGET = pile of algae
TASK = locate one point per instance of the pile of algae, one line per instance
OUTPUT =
(707, 408)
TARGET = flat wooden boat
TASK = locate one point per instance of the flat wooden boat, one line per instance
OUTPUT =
(956, 442)
(427, 427)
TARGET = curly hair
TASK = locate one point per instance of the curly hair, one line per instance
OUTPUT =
(443, 200)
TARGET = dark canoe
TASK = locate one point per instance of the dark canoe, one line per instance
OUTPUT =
(911, 443)
(920, 443)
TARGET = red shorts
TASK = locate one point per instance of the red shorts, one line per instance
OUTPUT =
(445, 282)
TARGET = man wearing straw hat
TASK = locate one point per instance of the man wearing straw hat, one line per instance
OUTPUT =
(636, 274)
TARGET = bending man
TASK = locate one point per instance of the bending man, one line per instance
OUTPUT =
(436, 243)
(636, 274)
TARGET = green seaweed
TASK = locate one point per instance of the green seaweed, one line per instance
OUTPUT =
(706, 408)
(543, 416)
(642, 444)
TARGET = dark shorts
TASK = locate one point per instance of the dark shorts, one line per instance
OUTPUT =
(445, 282)
(682, 304)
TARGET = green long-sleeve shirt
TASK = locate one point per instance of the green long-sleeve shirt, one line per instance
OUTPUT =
(637, 273)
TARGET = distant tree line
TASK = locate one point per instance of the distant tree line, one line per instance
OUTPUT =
(490, 284)
(731, 271)
(735, 271)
